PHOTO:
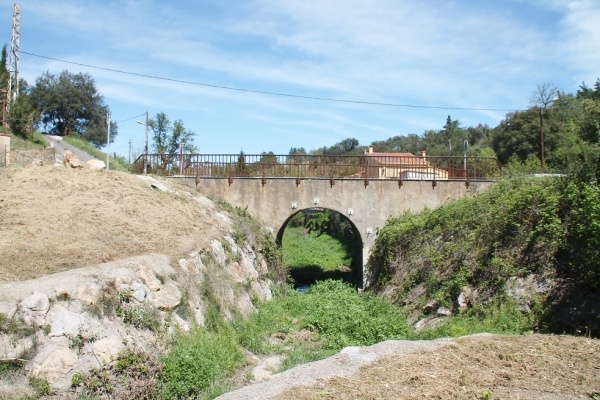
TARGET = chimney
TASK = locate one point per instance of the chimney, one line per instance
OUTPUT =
(423, 153)
(370, 149)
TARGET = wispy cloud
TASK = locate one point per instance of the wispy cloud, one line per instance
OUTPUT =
(468, 54)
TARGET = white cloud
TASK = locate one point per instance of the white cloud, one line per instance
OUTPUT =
(582, 40)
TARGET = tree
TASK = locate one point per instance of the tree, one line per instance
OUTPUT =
(297, 155)
(544, 94)
(23, 117)
(268, 158)
(169, 137)
(3, 69)
(70, 103)
(586, 92)
(517, 137)
(240, 168)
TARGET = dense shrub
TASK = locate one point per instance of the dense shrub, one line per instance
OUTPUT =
(549, 226)
(197, 360)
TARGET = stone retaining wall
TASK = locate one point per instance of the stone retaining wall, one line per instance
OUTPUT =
(27, 156)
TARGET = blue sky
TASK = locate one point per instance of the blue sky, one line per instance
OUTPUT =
(434, 53)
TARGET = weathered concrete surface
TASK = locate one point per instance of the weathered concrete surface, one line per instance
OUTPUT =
(367, 207)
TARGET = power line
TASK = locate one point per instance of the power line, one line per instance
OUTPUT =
(129, 119)
(371, 103)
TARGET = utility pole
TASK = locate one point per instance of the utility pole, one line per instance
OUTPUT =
(107, 139)
(542, 141)
(129, 159)
(13, 64)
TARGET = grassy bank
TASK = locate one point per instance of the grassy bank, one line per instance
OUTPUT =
(548, 229)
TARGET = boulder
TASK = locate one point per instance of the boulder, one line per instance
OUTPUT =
(430, 306)
(34, 309)
(64, 322)
(88, 293)
(467, 297)
(55, 365)
(108, 348)
(95, 164)
(139, 291)
(167, 298)
(443, 312)
(71, 160)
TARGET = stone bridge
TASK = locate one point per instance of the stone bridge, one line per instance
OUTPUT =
(366, 189)
(366, 204)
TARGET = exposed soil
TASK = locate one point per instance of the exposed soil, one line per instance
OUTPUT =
(56, 219)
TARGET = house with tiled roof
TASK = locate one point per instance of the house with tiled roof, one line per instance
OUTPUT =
(401, 166)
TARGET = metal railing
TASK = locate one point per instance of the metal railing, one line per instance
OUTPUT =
(367, 166)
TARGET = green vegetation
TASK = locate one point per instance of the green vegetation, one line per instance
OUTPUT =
(14, 327)
(319, 245)
(40, 386)
(501, 317)
(70, 104)
(332, 310)
(133, 374)
(197, 360)
(313, 258)
(546, 227)
(168, 137)
(247, 229)
(36, 142)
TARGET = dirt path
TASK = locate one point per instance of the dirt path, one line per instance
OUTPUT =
(475, 367)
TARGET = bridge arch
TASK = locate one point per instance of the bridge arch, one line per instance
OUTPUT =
(357, 240)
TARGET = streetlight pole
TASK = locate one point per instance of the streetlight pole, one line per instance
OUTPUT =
(146, 151)
(146, 146)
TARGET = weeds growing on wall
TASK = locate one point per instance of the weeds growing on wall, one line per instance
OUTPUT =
(248, 230)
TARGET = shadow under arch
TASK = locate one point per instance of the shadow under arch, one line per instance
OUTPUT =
(355, 276)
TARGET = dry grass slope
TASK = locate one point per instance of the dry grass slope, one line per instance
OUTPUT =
(513, 367)
(55, 219)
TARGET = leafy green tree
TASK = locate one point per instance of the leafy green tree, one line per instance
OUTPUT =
(589, 120)
(23, 117)
(585, 92)
(71, 103)
(241, 164)
(268, 158)
(297, 151)
(297, 155)
(168, 137)
(345, 147)
(3, 69)
(517, 136)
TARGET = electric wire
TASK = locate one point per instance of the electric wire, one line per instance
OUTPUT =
(370, 103)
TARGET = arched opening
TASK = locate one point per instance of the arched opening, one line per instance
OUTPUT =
(321, 244)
